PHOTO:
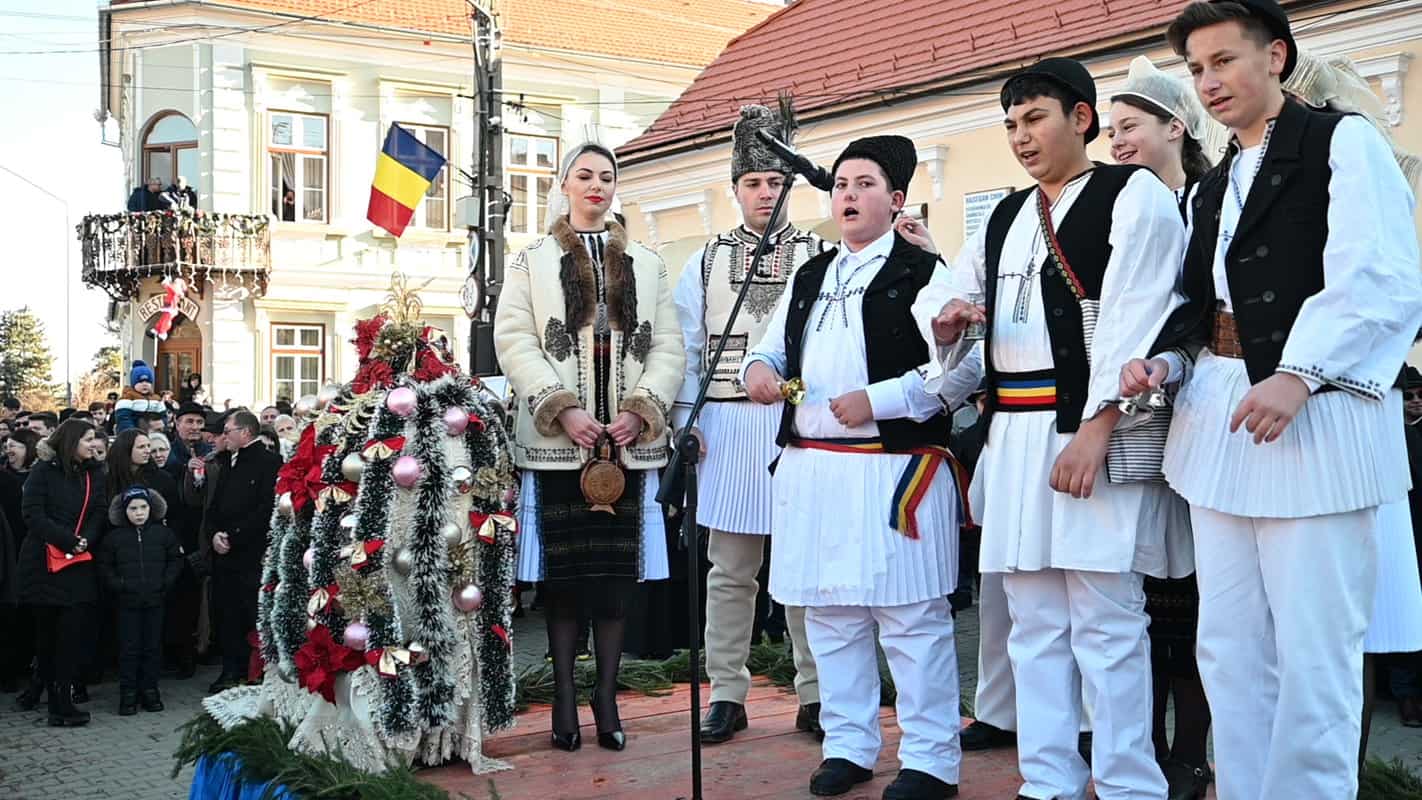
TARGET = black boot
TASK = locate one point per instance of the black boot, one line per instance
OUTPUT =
(836, 776)
(62, 712)
(152, 701)
(722, 721)
(81, 693)
(128, 701)
(29, 699)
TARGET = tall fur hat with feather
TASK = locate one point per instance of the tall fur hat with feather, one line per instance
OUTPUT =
(748, 152)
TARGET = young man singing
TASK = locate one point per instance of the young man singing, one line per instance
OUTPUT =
(866, 514)
(738, 434)
(1302, 299)
(1076, 273)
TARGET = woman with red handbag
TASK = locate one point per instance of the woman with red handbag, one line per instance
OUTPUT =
(63, 509)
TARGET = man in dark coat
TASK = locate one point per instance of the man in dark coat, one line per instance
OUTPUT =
(180, 621)
(149, 197)
(236, 524)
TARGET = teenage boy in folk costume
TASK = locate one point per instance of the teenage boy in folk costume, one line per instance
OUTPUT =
(739, 435)
(866, 509)
(1077, 273)
(1302, 299)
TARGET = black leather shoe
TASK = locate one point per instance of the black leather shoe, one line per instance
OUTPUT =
(567, 741)
(151, 700)
(81, 693)
(982, 736)
(613, 739)
(837, 776)
(722, 721)
(128, 702)
(914, 785)
(807, 719)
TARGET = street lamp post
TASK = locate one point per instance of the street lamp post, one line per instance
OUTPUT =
(68, 368)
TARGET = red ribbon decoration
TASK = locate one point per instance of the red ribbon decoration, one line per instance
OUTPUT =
(498, 630)
(381, 449)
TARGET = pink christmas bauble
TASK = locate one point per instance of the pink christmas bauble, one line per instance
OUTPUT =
(406, 471)
(468, 598)
(401, 401)
(456, 420)
(309, 557)
(357, 635)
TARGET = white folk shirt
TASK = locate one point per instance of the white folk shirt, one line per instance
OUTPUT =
(832, 542)
(1026, 524)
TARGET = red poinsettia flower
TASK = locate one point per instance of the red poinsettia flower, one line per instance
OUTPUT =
(498, 630)
(366, 331)
(372, 375)
(321, 660)
(428, 366)
(301, 476)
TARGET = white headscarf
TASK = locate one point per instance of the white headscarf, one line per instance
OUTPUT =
(1335, 84)
(1177, 99)
(558, 201)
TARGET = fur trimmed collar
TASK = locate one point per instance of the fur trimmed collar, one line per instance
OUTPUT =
(579, 283)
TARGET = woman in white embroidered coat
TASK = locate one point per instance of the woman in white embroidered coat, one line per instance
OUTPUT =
(587, 333)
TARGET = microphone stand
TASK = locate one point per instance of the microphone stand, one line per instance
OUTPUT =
(679, 485)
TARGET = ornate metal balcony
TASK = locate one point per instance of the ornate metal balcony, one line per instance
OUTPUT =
(120, 250)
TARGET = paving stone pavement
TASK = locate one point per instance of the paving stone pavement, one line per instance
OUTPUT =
(130, 758)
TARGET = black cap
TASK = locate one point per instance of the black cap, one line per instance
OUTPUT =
(896, 155)
(191, 408)
(1068, 73)
(1277, 21)
(216, 423)
(1411, 378)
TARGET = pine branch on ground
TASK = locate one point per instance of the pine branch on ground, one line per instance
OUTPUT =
(1389, 780)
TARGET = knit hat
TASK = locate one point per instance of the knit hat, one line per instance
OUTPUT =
(1274, 18)
(748, 152)
(896, 155)
(1068, 73)
(134, 493)
(141, 372)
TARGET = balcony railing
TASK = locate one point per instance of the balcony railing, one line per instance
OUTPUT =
(120, 250)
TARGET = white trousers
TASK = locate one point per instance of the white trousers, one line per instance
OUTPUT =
(1076, 632)
(996, 699)
(1284, 606)
(731, 588)
(923, 660)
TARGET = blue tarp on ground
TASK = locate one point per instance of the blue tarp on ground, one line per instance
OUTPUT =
(219, 778)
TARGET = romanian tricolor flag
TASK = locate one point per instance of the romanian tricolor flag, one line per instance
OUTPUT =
(403, 173)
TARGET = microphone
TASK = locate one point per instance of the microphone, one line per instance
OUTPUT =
(816, 175)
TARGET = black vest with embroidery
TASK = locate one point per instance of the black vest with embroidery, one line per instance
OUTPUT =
(1084, 235)
(1275, 261)
(892, 343)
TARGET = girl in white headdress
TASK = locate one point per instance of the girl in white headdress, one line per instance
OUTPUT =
(1157, 121)
(587, 334)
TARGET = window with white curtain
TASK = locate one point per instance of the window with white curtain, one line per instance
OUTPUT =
(532, 166)
(297, 150)
(298, 360)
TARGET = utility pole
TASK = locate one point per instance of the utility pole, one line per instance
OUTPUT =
(486, 237)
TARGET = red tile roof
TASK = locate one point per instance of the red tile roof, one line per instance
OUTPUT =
(835, 52)
(687, 32)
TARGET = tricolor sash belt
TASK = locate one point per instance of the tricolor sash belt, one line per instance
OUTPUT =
(1026, 391)
(913, 484)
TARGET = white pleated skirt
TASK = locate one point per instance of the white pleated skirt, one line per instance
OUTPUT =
(1028, 526)
(832, 543)
(1396, 626)
(654, 532)
(1342, 453)
(734, 477)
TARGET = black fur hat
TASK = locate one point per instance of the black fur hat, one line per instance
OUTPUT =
(896, 155)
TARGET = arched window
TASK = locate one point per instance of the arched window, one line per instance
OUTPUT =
(170, 149)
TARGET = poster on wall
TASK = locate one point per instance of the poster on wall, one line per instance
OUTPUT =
(978, 205)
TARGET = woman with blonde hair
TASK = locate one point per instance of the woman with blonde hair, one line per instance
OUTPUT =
(587, 334)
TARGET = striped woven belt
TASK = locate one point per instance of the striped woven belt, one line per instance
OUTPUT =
(1224, 336)
(1026, 391)
(913, 483)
